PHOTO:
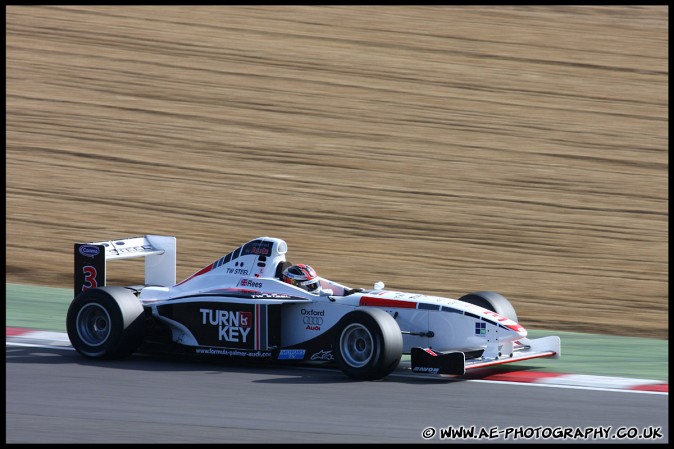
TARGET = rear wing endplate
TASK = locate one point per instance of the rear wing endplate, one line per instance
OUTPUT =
(91, 259)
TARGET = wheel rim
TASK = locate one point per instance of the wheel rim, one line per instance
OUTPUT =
(93, 324)
(357, 345)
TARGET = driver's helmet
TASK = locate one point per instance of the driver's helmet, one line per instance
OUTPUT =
(302, 276)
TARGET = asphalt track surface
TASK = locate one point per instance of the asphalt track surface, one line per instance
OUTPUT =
(57, 396)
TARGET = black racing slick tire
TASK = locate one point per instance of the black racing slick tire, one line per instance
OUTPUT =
(369, 344)
(106, 323)
(491, 301)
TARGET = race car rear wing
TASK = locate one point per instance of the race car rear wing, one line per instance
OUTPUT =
(159, 252)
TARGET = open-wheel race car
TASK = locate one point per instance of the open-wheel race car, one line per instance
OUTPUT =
(254, 304)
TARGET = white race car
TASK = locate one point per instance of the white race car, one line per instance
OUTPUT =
(239, 307)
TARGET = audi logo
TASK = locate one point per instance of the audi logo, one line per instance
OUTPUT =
(315, 320)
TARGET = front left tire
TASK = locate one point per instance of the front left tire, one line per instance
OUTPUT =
(369, 344)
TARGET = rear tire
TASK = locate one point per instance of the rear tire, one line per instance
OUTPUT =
(491, 301)
(106, 323)
(369, 344)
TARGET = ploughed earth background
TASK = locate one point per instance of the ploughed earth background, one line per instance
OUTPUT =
(440, 149)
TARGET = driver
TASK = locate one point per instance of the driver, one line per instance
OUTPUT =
(304, 277)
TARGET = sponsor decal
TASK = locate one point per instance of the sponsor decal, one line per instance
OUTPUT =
(89, 250)
(249, 283)
(481, 329)
(260, 251)
(134, 249)
(233, 326)
(239, 271)
(232, 352)
(313, 323)
(220, 324)
(291, 354)
(426, 369)
(258, 248)
(323, 355)
(312, 312)
(312, 318)
(270, 296)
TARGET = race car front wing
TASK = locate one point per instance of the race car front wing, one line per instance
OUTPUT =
(426, 360)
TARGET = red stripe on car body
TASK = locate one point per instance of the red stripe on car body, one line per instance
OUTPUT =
(383, 302)
(206, 269)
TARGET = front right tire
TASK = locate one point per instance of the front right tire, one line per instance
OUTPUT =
(491, 301)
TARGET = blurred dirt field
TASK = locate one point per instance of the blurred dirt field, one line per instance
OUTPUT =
(440, 149)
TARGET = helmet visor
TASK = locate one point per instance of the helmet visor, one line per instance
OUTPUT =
(312, 285)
